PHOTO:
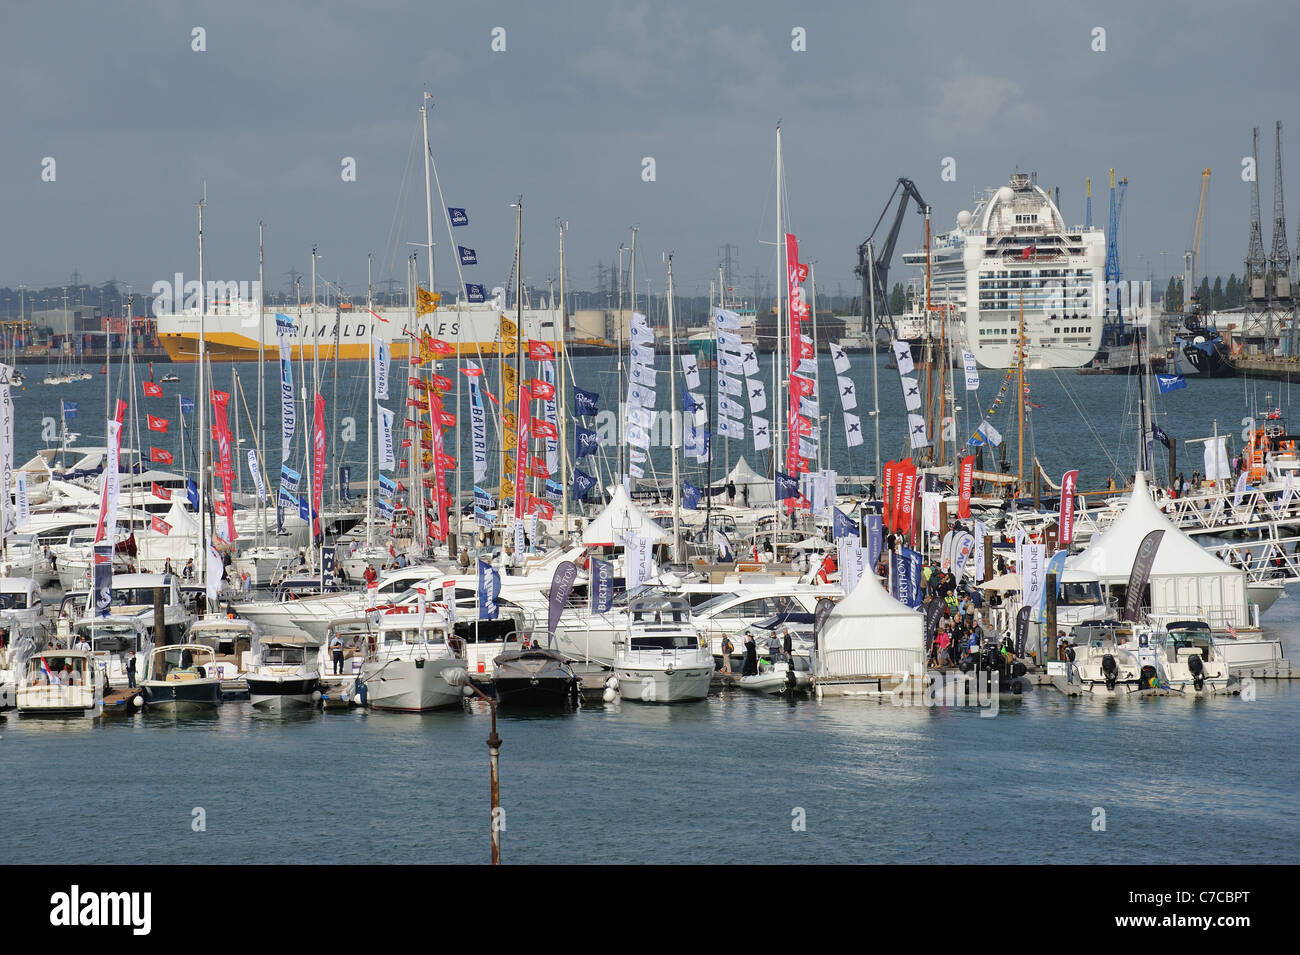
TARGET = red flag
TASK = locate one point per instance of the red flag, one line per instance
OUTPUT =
(447, 462)
(907, 499)
(417, 383)
(401, 488)
(544, 429)
(538, 467)
(152, 390)
(447, 419)
(438, 381)
(472, 372)
(159, 525)
(543, 509)
(541, 389)
(414, 403)
(410, 423)
(159, 456)
(802, 386)
(157, 424)
(1028, 250)
(1066, 520)
(439, 347)
(220, 509)
(540, 351)
(887, 496)
(406, 442)
(162, 493)
(964, 484)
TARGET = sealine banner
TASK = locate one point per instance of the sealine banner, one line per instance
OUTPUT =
(1141, 573)
(7, 517)
(1066, 521)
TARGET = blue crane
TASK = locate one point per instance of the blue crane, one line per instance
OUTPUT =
(1113, 329)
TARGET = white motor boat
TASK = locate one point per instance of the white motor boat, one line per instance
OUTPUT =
(661, 658)
(1109, 661)
(1190, 662)
(61, 683)
(284, 673)
(779, 677)
(180, 678)
(21, 610)
(231, 641)
(410, 666)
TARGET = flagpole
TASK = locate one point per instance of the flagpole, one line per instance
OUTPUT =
(260, 431)
(782, 280)
(202, 460)
(674, 421)
(370, 409)
(564, 405)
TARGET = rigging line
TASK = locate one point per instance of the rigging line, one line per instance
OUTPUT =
(1100, 443)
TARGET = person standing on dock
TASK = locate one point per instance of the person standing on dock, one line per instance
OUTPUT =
(731, 492)
(728, 648)
(336, 650)
(130, 671)
(750, 665)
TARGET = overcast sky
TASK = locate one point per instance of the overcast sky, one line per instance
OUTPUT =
(136, 121)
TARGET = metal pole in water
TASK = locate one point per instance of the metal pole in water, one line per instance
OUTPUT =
(494, 756)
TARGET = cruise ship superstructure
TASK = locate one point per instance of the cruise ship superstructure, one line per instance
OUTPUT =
(1016, 242)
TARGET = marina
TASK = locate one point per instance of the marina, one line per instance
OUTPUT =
(647, 435)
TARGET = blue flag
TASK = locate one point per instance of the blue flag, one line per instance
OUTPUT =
(302, 508)
(489, 588)
(689, 404)
(192, 493)
(457, 216)
(786, 486)
(905, 569)
(467, 256)
(69, 409)
(554, 489)
(187, 405)
(875, 528)
(345, 481)
(482, 498)
(473, 292)
(586, 442)
(601, 587)
(481, 517)
(1168, 383)
(585, 403)
(843, 526)
(290, 478)
(690, 496)
(582, 483)
(286, 498)
(387, 488)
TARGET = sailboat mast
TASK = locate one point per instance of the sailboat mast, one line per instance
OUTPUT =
(564, 405)
(875, 377)
(201, 399)
(783, 283)
(674, 420)
(370, 407)
(261, 375)
(1020, 397)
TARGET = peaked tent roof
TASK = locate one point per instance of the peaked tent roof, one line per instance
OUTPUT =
(870, 618)
(1110, 554)
(742, 473)
(620, 518)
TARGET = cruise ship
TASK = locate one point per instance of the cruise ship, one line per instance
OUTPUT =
(1016, 242)
(231, 329)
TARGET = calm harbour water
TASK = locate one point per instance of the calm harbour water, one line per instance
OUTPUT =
(717, 781)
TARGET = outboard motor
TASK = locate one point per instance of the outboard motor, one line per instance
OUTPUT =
(1198, 670)
(1148, 678)
(1109, 670)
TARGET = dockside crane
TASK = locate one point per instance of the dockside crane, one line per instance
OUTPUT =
(1113, 327)
(1191, 258)
(885, 252)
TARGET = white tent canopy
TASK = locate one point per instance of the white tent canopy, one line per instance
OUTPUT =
(1185, 577)
(620, 518)
(761, 492)
(869, 633)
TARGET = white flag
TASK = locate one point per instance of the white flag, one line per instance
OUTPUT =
(731, 364)
(903, 356)
(852, 430)
(641, 395)
(643, 354)
(972, 371)
(212, 577)
(990, 433)
(848, 393)
(1216, 460)
(808, 407)
(916, 431)
(690, 369)
(387, 457)
(1240, 489)
(749, 358)
(762, 437)
(930, 512)
(641, 417)
(641, 334)
(808, 366)
(644, 375)
(807, 448)
(637, 436)
(757, 392)
(729, 385)
(730, 408)
(729, 341)
(257, 475)
(731, 429)
(840, 360)
(449, 598)
(911, 393)
(24, 507)
(638, 457)
(727, 320)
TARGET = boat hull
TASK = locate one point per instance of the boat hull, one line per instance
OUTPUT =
(182, 696)
(653, 685)
(270, 693)
(521, 692)
(411, 686)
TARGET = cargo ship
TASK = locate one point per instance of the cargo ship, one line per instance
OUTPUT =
(231, 329)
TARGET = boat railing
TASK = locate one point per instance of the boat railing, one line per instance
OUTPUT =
(868, 663)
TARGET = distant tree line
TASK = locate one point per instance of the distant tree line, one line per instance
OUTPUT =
(1216, 297)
